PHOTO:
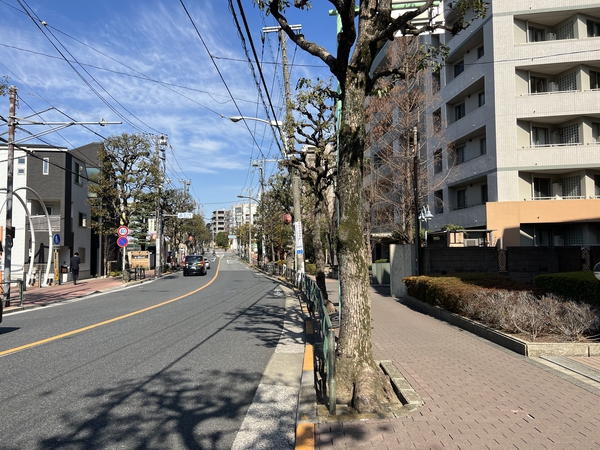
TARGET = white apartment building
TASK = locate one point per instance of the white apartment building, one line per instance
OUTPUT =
(520, 104)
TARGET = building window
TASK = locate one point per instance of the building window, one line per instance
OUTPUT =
(594, 80)
(480, 52)
(459, 111)
(461, 198)
(481, 99)
(82, 220)
(595, 132)
(46, 166)
(536, 34)
(438, 202)
(20, 171)
(539, 136)
(538, 84)
(593, 28)
(483, 146)
(437, 161)
(436, 81)
(459, 154)
(484, 193)
(78, 173)
(437, 120)
(541, 188)
(459, 68)
(21, 161)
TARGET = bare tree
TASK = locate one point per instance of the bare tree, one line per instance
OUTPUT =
(315, 131)
(397, 162)
(365, 27)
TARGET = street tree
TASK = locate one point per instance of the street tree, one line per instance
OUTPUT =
(222, 240)
(174, 201)
(365, 26)
(124, 188)
(315, 131)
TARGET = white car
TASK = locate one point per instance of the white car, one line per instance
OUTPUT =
(207, 263)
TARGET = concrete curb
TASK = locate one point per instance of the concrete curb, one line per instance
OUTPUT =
(529, 349)
(403, 389)
(306, 415)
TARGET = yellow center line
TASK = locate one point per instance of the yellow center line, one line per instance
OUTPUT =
(106, 322)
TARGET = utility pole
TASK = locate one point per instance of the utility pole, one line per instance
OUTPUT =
(160, 144)
(289, 147)
(8, 243)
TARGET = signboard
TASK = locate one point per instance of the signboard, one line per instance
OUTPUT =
(298, 235)
(122, 241)
(122, 231)
(186, 215)
(140, 259)
(56, 239)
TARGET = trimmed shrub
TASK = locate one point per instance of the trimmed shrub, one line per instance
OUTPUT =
(579, 286)
(502, 304)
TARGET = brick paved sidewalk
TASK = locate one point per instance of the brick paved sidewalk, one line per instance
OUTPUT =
(35, 296)
(477, 395)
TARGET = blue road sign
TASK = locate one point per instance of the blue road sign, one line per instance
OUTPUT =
(122, 241)
(56, 239)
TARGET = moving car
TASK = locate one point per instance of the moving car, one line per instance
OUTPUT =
(194, 265)
(207, 262)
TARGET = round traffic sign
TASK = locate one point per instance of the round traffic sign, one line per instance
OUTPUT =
(122, 231)
(122, 241)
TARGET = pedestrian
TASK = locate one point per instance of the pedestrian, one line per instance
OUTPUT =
(75, 260)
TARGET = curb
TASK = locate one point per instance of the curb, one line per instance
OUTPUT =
(306, 415)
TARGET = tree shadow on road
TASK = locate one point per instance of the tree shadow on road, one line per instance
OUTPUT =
(172, 409)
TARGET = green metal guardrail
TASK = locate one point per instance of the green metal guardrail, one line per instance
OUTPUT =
(327, 335)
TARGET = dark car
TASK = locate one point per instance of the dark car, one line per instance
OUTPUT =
(194, 265)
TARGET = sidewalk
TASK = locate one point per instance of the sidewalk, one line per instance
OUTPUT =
(476, 394)
(35, 296)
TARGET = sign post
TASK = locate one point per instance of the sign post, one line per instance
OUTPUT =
(122, 242)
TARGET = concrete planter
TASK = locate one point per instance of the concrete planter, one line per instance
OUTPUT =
(525, 348)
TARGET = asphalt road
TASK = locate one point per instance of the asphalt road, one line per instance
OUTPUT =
(169, 364)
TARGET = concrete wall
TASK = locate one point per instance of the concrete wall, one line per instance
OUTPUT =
(402, 264)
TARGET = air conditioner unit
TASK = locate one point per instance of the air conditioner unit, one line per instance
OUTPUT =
(550, 36)
(471, 242)
(553, 86)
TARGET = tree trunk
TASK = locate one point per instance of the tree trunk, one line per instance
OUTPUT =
(360, 384)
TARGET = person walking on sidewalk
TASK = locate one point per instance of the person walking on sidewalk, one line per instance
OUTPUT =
(75, 260)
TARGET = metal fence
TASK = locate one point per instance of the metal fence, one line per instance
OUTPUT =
(326, 333)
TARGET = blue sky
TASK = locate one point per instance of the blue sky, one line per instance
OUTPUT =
(144, 64)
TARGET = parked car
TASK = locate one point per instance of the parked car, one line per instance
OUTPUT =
(194, 265)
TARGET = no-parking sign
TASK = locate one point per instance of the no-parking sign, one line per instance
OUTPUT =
(122, 241)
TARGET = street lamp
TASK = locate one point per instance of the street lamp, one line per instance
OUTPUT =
(275, 123)
(425, 216)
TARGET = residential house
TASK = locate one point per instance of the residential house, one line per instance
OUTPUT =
(50, 187)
